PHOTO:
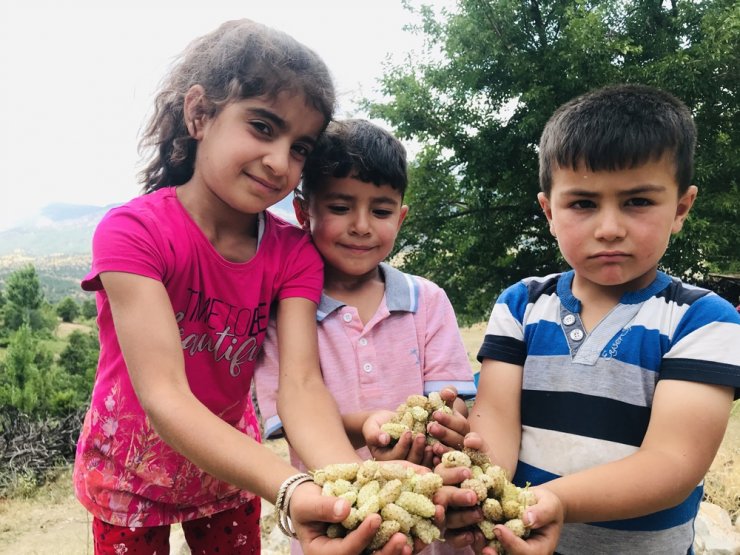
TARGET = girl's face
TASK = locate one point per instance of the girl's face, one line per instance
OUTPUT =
(251, 154)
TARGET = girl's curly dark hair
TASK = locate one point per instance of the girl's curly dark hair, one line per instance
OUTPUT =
(240, 59)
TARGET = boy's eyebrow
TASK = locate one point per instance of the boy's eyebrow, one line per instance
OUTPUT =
(637, 190)
(646, 188)
(376, 200)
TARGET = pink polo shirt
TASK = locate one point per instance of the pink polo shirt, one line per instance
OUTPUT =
(411, 345)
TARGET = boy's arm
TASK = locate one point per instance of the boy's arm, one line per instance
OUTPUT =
(687, 424)
(310, 416)
(445, 361)
(496, 423)
(266, 376)
(353, 423)
(496, 414)
(445, 367)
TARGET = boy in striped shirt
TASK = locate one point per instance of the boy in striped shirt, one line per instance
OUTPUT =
(609, 386)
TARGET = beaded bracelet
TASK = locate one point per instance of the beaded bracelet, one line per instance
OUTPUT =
(282, 503)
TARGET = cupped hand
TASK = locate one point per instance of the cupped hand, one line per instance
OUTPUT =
(461, 511)
(310, 513)
(546, 520)
(409, 447)
(449, 429)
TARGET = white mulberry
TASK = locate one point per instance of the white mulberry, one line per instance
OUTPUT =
(416, 504)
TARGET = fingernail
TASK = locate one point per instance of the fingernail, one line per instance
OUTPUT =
(530, 518)
(497, 533)
(339, 508)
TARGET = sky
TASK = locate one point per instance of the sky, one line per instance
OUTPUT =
(78, 77)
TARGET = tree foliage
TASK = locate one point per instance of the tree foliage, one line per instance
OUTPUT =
(68, 309)
(25, 303)
(42, 396)
(23, 382)
(80, 356)
(494, 72)
(33, 383)
(89, 309)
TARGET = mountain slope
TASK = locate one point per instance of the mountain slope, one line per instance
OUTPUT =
(58, 229)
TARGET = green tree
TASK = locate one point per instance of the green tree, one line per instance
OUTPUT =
(68, 309)
(25, 303)
(76, 372)
(80, 356)
(24, 382)
(31, 383)
(494, 72)
(89, 309)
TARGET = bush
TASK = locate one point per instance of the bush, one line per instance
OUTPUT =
(32, 447)
(68, 310)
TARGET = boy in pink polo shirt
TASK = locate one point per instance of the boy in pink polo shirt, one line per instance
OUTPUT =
(383, 334)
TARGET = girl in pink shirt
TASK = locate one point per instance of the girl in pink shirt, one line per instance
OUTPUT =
(185, 276)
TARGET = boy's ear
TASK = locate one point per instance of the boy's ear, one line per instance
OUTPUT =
(402, 216)
(300, 206)
(546, 208)
(194, 110)
(684, 207)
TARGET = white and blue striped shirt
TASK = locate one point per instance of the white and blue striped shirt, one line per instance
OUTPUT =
(587, 397)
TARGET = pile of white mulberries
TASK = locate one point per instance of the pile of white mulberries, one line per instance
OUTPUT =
(414, 415)
(401, 496)
(501, 501)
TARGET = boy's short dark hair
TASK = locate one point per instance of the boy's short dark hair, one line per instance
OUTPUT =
(619, 127)
(356, 148)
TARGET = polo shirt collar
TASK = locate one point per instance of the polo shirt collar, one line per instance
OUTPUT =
(401, 294)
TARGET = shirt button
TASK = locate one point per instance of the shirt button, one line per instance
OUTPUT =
(576, 335)
(363, 341)
(569, 319)
(347, 317)
(367, 367)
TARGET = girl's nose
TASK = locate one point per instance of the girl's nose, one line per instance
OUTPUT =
(277, 159)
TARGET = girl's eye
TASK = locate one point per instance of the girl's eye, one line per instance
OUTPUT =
(261, 127)
(301, 150)
(639, 202)
(338, 209)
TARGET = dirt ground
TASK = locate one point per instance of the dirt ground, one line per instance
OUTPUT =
(53, 521)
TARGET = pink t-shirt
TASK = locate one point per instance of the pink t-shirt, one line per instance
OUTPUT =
(411, 345)
(124, 473)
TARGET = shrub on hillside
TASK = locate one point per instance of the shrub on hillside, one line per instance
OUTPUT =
(30, 448)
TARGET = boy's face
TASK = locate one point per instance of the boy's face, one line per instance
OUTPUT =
(613, 227)
(353, 224)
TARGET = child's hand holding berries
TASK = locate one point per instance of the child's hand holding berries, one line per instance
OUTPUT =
(420, 430)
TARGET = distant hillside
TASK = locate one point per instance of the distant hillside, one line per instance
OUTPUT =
(57, 243)
(58, 229)
(67, 229)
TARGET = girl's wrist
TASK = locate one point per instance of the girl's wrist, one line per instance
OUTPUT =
(282, 503)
